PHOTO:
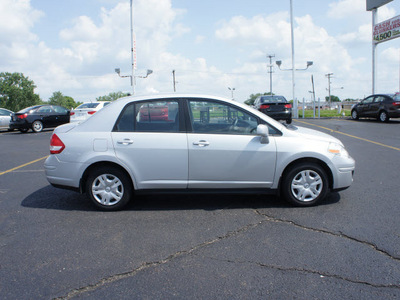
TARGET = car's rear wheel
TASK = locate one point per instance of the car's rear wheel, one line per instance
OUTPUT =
(37, 126)
(109, 188)
(289, 121)
(383, 116)
(354, 114)
(305, 184)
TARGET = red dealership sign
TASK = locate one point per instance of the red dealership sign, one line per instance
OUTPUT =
(387, 30)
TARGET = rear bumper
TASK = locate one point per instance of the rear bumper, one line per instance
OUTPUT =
(278, 115)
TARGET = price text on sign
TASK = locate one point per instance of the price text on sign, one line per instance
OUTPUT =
(387, 30)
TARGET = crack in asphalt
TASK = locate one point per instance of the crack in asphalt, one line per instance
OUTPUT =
(340, 234)
(308, 271)
(146, 265)
(266, 218)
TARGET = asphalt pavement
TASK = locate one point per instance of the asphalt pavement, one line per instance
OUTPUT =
(55, 244)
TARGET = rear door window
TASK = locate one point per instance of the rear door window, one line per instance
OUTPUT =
(150, 116)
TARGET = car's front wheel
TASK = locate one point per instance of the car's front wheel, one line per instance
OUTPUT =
(37, 126)
(109, 188)
(305, 184)
(354, 114)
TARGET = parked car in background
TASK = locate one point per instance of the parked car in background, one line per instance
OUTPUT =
(5, 118)
(86, 110)
(276, 107)
(206, 144)
(38, 117)
(380, 106)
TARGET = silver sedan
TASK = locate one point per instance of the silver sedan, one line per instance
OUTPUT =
(5, 118)
(193, 143)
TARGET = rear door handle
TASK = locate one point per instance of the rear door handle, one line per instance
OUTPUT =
(201, 143)
(125, 142)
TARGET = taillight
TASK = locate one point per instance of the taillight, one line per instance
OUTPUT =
(396, 103)
(264, 106)
(288, 105)
(21, 117)
(71, 113)
(91, 112)
(56, 145)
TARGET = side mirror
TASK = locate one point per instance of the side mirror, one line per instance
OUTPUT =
(262, 131)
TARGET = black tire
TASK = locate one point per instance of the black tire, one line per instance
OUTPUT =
(354, 114)
(383, 116)
(109, 188)
(305, 184)
(289, 121)
(37, 126)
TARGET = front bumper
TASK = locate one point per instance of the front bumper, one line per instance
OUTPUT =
(343, 172)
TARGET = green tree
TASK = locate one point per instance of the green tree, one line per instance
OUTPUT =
(333, 98)
(17, 91)
(112, 96)
(253, 97)
(59, 99)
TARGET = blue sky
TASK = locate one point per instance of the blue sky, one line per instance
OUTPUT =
(74, 46)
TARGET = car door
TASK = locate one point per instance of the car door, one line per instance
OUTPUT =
(61, 115)
(365, 107)
(375, 106)
(150, 139)
(46, 114)
(224, 150)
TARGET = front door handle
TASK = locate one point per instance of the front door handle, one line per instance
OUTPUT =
(201, 143)
(125, 142)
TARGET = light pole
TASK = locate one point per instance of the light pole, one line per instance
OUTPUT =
(279, 63)
(133, 51)
(133, 77)
(231, 89)
(329, 76)
(270, 56)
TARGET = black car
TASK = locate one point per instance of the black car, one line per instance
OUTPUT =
(39, 117)
(382, 107)
(276, 107)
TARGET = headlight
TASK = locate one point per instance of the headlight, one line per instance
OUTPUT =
(337, 149)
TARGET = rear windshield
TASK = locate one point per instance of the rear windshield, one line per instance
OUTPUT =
(396, 97)
(88, 105)
(28, 109)
(273, 99)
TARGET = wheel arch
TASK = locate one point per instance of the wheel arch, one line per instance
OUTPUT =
(317, 161)
(97, 164)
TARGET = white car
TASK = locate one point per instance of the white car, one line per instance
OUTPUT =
(5, 118)
(193, 143)
(86, 110)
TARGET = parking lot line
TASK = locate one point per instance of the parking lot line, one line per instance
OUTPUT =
(353, 136)
(24, 165)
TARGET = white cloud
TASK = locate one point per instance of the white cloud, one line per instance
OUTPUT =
(17, 17)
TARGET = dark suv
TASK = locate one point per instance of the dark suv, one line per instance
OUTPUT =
(276, 107)
(382, 107)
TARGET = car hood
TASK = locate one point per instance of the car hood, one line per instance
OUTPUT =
(316, 135)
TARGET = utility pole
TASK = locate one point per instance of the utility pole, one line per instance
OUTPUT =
(173, 79)
(329, 75)
(270, 56)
